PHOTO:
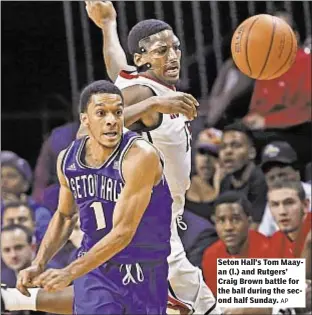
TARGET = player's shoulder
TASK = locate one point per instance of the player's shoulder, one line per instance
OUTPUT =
(144, 149)
(257, 236)
(259, 244)
(142, 153)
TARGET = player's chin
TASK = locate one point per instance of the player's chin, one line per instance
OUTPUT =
(171, 80)
(110, 143)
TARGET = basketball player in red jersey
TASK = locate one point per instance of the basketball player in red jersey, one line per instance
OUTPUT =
(232, 220)
(290, 209)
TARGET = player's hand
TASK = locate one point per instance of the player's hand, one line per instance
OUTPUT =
(25, 278)
(177, 102)
(53, 280)
(254, 121)
(101, 12)
(218, 177)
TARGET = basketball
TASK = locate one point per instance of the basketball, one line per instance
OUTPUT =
(264, 47)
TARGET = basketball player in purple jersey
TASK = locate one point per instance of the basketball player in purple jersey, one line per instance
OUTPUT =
(116, 179)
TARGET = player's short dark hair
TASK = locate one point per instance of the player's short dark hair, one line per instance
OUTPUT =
(17, 204)
(96, 87)
(232, 196)
(142, 30)
(295, 185)
(240, 127)
(14, 227)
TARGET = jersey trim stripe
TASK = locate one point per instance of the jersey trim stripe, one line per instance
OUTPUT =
(149, 137)
(64, 161)
(175, 300)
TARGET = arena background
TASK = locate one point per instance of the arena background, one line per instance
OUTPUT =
(50, 50)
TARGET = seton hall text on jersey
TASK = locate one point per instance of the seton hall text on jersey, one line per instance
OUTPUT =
(95, 185)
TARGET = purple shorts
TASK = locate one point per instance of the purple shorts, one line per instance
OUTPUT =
(123, 289)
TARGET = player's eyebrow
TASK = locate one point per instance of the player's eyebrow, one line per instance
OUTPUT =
(104, 104)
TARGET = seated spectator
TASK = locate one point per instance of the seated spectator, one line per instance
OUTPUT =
(16, 178)
(17, 252)
(203, 190)
(236, 158)
(45, 170)
(290, 209)
(279, 162)
(232, 220)
(280, 108)
(19, 213)
(199, 235)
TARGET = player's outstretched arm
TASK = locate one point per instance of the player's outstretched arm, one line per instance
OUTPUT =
(141, 169)
(103, 14)
(58, 232)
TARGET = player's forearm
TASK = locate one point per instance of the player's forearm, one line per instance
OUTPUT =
(114, 56)
(137, 111)
(57, 234)
(102, 251)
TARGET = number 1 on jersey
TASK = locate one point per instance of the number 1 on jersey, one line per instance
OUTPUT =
(99, 215)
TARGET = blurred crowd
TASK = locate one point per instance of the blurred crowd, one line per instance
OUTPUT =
(250, 188)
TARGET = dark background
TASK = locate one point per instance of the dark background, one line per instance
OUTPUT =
(35, 71)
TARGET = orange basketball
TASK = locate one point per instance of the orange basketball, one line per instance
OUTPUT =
(264, 47)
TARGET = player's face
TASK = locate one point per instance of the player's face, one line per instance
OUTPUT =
(16, 252)
(12, 181)
(280, 173)
(104, 119)
(287, 209)
(205, 164)
(18, 215)
(234, 153)
(231, 225)
(163, 54)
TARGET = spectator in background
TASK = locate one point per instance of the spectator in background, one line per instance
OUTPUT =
(232, 220)
(45, 170)
(229, 98)
(19, 213)
(236, 157)
(17, 252)
(16, 179)
(290, 209)
(279, 162)
(204, 188)
(280, 109)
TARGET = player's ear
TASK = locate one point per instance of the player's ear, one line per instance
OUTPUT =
(139, 60)
(84, 119)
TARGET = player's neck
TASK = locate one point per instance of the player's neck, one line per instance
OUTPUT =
(95, 153)
(239, 249)
(152, 76)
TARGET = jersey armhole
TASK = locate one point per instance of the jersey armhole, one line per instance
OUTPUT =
(63, 162)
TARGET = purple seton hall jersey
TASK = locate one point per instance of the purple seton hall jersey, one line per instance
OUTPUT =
(96, 191)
